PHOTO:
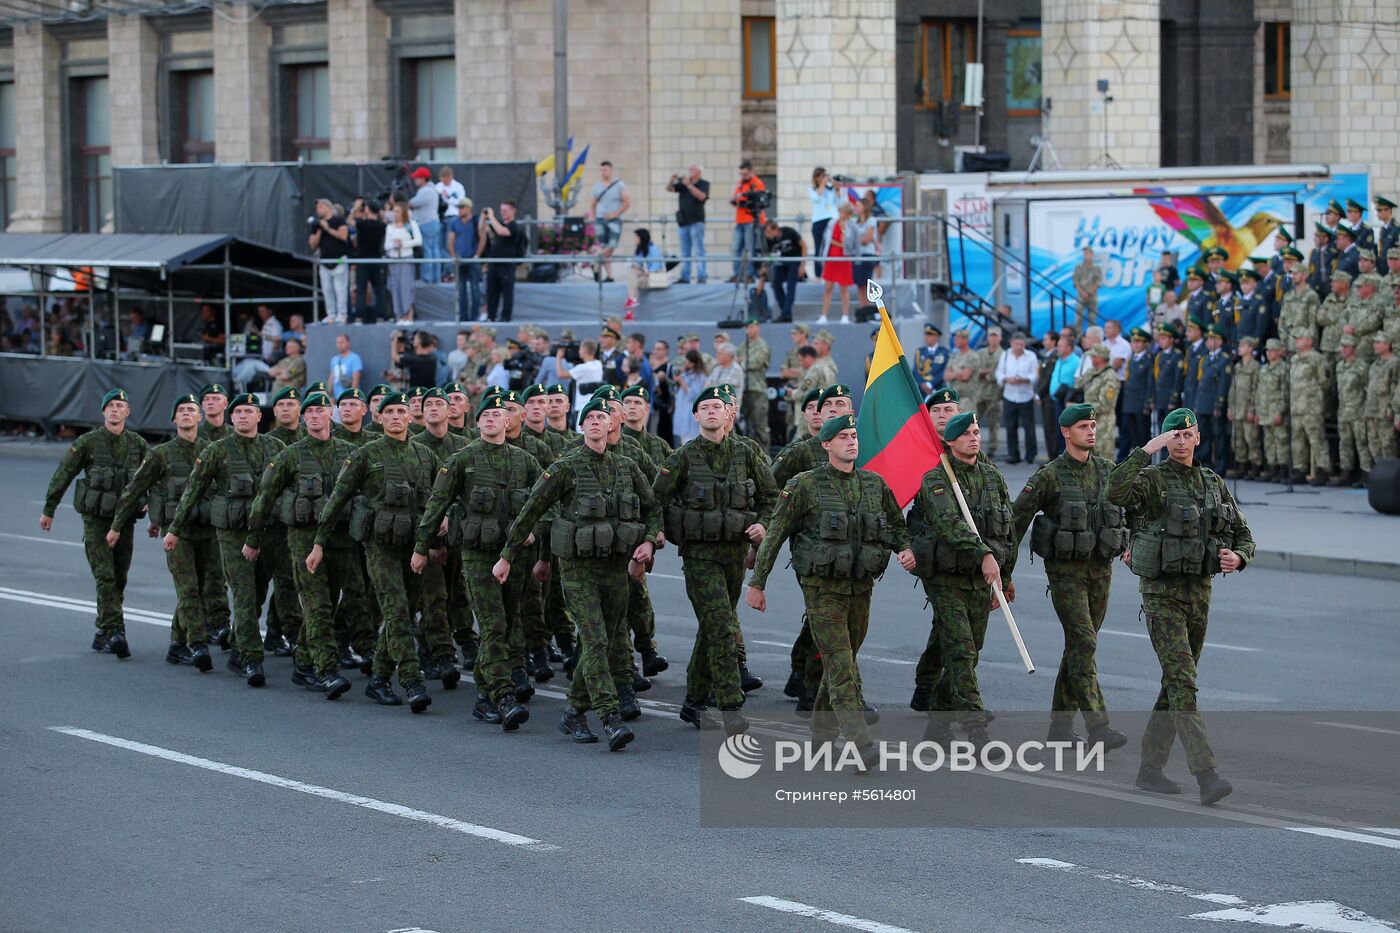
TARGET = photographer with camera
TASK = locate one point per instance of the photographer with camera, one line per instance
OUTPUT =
(750, 199)
(502, 238)
(692, 192)
(784, 244)
(329, 238)
(420, 366)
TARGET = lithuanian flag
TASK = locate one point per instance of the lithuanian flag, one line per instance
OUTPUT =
(897, 438)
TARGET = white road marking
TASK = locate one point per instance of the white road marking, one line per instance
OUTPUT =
(1321, 916)
(1358, 728)
(314, 790)
(6, 534)
(828, 916)
(859, 657)
(149, 616)
(666, 576)
(1209, 644)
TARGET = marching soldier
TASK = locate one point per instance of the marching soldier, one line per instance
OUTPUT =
(1242, 411)
(488, 482)
(1178, 505)
(1099, 387)
(415, 409)
(606, 516)
(458, 410)
(296, 484)
(844, 522)
(284, 616)
(373, 400)
(714, 495)
(557, 412)
(1351, 376)
(1212, 395)
(199, 585)
(351, 407)
(1079, 534)
(1168, 374)
(213, 402)
(931, 360)
(1298, 315)
(1138, 390)
(1308, 382)
(1389, 229)
(356, 623)
(1271, 406)
(544, 608)
(233, 469)
(108, 457)
(438, 592)
(1383, 399)
(392, 476)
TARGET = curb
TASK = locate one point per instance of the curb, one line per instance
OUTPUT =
(1333, 566)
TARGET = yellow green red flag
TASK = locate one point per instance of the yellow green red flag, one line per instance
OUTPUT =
(897, 437)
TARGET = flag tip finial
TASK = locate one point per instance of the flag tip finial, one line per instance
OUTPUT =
(873, 291)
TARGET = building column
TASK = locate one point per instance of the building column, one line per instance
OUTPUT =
(40, 185)
(1345, 71)
(242, 96)
(133, 64)
(1084, 42)
(836, 92)
(359, 77)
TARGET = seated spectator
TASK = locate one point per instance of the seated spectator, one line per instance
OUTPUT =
(646, 260)
(211, 333)
(296, 327)
(290, 370)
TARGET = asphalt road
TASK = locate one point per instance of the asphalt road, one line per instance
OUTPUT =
(180, 801)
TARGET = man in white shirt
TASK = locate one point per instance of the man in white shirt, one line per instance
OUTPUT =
(1093, 336)
(587, 374)
(1118, 349)
(1016, 374)
(271, 331)
(457, 359)
(450, 190)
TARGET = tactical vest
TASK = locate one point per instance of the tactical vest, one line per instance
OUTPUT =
(232, 505)
(165, 498)
(492, 504)
(1185, 540)
(392, 518)
(97, 491)
(713, 509)
(300, 505)
(935, 555)
(846, 541)
(1082, 529)
(600, 522)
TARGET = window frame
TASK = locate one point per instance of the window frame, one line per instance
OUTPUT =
(418, 143)
(300, 147)
(89, 183)
(1280, 64)
(9, 158)
(1027, 33)
(944, 27)
(749, 92)
(184, 149)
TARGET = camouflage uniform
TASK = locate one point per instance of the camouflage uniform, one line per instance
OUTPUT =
(544, 602)
(837, 570)
(357, 623)
(755, 356)
(1246, 439)
(232, 469)
(709, 494)
(284, 615)
(441, 591)
(1365, 316)
(1351, 379)
(1100, 388)
(108, 461)
(295, 485)
(1175, 558)
(803, 454)
(949, 556)
(824, 371)
(811, 378)
(217, 615)
(1271, 398)
(582, 483)
(968, 389)
(1079, 535)
(1331, 317)
(1382, 402)
(484, 486)
(988, 402)
(1298, 317)
(1307, 391)
(1087, 279)
(393, 477)
(194, 564)
(530, 633)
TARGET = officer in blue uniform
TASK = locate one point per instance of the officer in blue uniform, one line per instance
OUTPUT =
(1213, 373)
(1389, 232)
(1199, 298)
(1348, 253)
(1227, 304)
(1356, 217)
(1282, 240)
(1266, 324)
(1168, 375)
(931, 361)
(1137, 394)
(1253, 314)
(1322, 261)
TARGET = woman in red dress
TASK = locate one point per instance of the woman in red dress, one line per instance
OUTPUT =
(836, 270)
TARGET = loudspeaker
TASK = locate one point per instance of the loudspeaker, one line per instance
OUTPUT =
(1383, 487)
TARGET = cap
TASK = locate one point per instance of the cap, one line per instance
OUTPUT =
(1341, 275)
(1289, 252)
(1225, 275)
(812, 397)
(1196, 272)
(1178, 419)
(1251, 274)
(186, 399)
(958, 424)
(610, 331)
(1352, 205)
(1335, 205)
(1283, 232)
(834, 426)
(1347, 340)
(1367, 253)
(1138, 333)
(1073, 414)
(1383, 202)
(1099, 350)
(1249, 339)
(799, 329)
(1323, 229)
(1217, 252)
(932, 328)
(1381, 336)
(422, 172)
(1273, 343)
(1211, 331)
(114, 395)
(752, 320)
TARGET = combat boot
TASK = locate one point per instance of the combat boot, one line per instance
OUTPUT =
(977, 735)
(178, 654)
(367, 664)
(449, 675)
(347, 661)
(747, 681)
(234, 663)
(335, 685)
(487, 711)
(793, 687)
(640, 683)
(222, 638)
(382, 692)
(938, 731)
(554, 652)
(116, 643)
(806, 703)
(697, 714)
(539, 658)
(922, 700)
(734, 722)
(273, 642)
(574, 724)
(99, 641)
(571, 660)
(513, 714)
(1152, 779)
(1359, 482)
(1340, 478)
(617, 732)
(253, 674)
(469, 658)
(520, 682)
(199, 657)
(432, 670)
(1320, 478)
(627, 706)
(1214, 788)
(653, 664)
(306, 677)
(871, 714)
(418, 699)
(1063, 731)
(1108, 737)
(869, 757)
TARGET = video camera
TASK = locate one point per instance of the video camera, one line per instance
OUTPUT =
(754, 200)
(570, 348)
(517, 374)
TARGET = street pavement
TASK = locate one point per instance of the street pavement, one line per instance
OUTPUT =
(179, 801)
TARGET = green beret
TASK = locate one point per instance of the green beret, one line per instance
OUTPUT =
(1178, 419)
(434, 393)
(1251, 274)
(416, 392)
(813, 395)
(1347, 340)
(839, 390)
(1138, 333)
(1341, 275)
(558, 389)
(944, 396)
(958, 425)
(933, 329)
(835, 426)
(376, 390)
(607, 393)
(186, 399)
(352, 393)
(1073, 414)
(1289, 252)
(247, 398)
(594, 404)
(393, 398)
(706, 394)
(454, 388)
(1383, 202)
(1275, 344)
(1353, 206)
(533, 391)
(510, 397)
(1335, 205)
(638, 391)
(728, 390)
(316, 400)
(213, 388)
(114, 395)
(492, 402)
(610, 331)
(290, 392)
(1281, 231)
(318, 387)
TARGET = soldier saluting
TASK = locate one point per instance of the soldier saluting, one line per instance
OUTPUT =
(1190, 529)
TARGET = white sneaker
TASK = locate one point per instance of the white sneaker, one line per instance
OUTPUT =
(481, 316)
(845, 319)
(823, 320)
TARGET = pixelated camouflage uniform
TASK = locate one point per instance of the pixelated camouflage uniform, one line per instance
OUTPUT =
(442, 595)
(1246, 438)
(1308, 383)
(1382, 401)
(1351, 377)
(284, 615)
(755, 356)
(1270, 400)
